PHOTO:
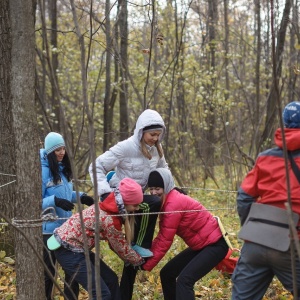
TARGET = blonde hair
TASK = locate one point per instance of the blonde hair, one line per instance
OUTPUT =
(129, 229)
(145, 150)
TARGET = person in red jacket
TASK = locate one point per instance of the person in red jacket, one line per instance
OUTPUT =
(266, 184)
(190, 220)
(67, 240)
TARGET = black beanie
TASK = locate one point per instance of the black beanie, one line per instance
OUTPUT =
(155, 180)
(152, 127)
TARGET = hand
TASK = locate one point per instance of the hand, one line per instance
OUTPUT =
(104, 196)
(87, 200)
(139, 268)
(63, 203)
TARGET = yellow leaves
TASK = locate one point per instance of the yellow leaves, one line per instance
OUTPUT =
(297, 46)
(2, 254)
(3, 288)
(8, 260)
(297, 69)
(7, 279)
(5, 259)
(214, 282)
(151, 278)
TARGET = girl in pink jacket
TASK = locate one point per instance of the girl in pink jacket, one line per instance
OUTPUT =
(189, 219)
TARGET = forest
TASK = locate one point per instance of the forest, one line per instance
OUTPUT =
(218, 71)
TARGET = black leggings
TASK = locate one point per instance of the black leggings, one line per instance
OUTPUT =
(143, 236)
(180, 274)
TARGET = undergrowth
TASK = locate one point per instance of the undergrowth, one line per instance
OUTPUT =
(215, 285)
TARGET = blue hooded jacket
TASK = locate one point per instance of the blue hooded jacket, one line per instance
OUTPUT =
(63, 189)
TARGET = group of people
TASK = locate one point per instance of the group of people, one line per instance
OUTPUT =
(123, 175)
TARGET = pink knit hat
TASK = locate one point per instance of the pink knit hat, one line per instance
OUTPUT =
(131, 191)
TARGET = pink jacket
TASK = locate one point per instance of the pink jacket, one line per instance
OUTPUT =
(197, 229)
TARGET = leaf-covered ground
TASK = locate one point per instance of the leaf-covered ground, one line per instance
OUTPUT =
(213, 286)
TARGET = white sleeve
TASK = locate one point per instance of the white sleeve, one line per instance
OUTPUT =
(104, 163)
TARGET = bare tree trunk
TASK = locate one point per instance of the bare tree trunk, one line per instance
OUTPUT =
(208, 134)
(84, 66)
(123, 25)
(270, 124)
(54, 64)
(27, 200)
(107, 126)
(293, 93)
(226, 150)
(256, 115)
(7, 146)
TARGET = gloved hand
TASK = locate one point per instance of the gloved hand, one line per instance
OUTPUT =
(87, 200)
(63, 203)
(104, 196)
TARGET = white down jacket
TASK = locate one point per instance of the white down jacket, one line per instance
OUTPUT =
(127, 159)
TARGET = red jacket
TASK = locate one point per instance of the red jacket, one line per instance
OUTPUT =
(266, 182)
(198, 229)
(110, 227)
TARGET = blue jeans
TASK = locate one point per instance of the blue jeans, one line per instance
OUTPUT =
(74, 265)
(49, 260)
(180, 274)
(256, 268)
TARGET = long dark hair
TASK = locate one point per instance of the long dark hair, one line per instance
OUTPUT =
(180, 190)
(54, 167)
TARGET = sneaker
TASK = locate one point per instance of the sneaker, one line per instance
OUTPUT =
(143, 252)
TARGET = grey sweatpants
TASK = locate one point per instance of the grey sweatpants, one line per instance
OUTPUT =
(256, 268)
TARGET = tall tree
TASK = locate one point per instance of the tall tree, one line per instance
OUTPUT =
(7, 146)
(123, 25)
(23, 201)
(270, 124)
(293, 92)
(209, 106)
(57, 126)
(110, 97)
(257, 68)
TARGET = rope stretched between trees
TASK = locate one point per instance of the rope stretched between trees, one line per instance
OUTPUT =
(50, 217)
(183, 187)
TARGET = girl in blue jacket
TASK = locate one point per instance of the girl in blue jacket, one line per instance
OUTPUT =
(57, 194)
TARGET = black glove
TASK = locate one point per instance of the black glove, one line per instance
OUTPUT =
(104, 196)
(63, 203)
(87, 200)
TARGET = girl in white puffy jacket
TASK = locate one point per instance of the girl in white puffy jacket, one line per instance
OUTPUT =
(135, 158)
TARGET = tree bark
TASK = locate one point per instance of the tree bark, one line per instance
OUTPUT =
(209, 132)
(7, 147)
(270, 124)
(108, 101)
(57, 126)
(123, 25)
(26, 203)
